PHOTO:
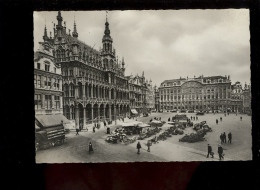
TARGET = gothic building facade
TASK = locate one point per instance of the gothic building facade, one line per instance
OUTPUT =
(94, 83)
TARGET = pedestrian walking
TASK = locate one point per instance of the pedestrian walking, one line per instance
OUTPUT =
(221, 138)
(229, 137)
(197, 118)
(155, 139)
(224, 137)
(138, 146)
(210, 151)
(225, 114)
(105, 124)
(94, 128)
(220, 118)
(90, 148)
(241, 118)
(148, 145)
(169, 119)
(190, 117)
(216, 121)
(220, 152)
(77, 131)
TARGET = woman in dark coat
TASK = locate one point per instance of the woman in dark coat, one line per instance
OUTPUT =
(138, 146)
(90, 148)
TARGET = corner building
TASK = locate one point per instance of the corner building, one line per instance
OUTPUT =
(201, 93)
(94, 83)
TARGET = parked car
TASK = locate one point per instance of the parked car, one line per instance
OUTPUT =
(183, 111)
(190, 111)
(174, 111)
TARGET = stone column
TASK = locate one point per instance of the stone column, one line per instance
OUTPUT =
(43, 101)
(77, 116)
(104, 113)
(84, 117)
(110, 118)
(91, 90)
(98, 114)
(83, 91)
(92, 114)
(52, 101)
(61, 103)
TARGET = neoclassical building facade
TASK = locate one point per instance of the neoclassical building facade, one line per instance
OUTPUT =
(200, 93)
(94, 83)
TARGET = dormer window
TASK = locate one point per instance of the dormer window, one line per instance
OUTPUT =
(47, 67)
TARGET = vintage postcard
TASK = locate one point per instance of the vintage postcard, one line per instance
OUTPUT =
(142, 86)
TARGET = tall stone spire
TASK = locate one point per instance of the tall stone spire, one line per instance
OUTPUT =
(123, 62)
(75, 33)
(45, 36)
(107, 40)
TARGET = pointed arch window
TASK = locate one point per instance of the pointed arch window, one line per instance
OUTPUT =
(63, 53)
(58, 54)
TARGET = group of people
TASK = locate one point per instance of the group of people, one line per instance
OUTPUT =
(223, 138)
(220, 152)
(193, 118)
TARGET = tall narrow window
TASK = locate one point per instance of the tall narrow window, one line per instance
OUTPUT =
(39, 81)
(57, 102)
(48, 103)
(38, 66)
(37, 101)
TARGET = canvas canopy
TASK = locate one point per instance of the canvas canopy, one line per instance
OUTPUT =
(134, 111)
(143, 125)
(51, 120)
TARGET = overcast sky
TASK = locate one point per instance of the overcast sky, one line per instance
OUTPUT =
(166, 44)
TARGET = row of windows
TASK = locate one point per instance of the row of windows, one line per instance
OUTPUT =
(46, 67)
(191, 97)
(49, 82)
(190, 90)
(47, 103)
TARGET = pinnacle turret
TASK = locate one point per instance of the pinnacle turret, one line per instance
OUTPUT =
(75, 33)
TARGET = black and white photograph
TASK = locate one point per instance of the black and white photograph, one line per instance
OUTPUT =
(142, 86)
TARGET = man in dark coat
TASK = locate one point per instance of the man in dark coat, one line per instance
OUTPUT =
(216, 121)
(90, 148)
(221, 138)
(241, 118)
(105, 124)
(169, 119)
(220, 118)
(77, 131)
(224, 137)
(229, 137)
(138, 147)
(220, 152)
(94, 128)
(210, 151)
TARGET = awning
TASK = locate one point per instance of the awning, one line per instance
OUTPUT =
(51, 120)
(143, 125)
(134, 111)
